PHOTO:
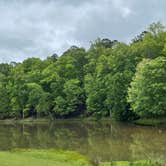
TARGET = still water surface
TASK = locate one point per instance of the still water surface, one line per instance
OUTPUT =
(99, 141)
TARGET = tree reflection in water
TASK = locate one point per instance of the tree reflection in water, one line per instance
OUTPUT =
(100, 141)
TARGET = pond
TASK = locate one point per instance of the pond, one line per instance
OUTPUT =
(100, 141)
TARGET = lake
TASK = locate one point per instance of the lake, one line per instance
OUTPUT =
(100, 141)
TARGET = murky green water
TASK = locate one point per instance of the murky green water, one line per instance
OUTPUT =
(99, 141)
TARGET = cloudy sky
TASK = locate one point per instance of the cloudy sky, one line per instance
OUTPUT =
(38, 28)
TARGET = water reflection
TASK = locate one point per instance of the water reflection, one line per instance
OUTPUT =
(100, 141)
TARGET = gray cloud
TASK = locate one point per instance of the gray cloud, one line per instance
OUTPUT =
(42, 27)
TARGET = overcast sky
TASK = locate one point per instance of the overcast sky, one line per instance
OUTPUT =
(38, 28)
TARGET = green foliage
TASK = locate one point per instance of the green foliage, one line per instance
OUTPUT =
(122, 67)
(147, 94)
(72, 99)
(92, 83)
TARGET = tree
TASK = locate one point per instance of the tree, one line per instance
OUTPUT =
(71, 102)
(152, 43)
(5, 108)
(37, 100)
(5, 91)
(122, 67)
(96, 89)
(93, 82)
(147, 94)
(139, 37)
(52, 58)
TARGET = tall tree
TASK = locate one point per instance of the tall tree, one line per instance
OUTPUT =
(147, 94)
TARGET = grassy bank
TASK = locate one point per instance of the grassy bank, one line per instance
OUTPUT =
(47, 120)
(151, 122)
(136, 163)
(59, 158)
(42, 158)
(144, 122)
(26, 120)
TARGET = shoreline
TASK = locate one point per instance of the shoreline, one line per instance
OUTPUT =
(140, 122)
(151, 122)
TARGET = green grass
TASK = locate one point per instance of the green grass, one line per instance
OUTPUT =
(42, 158)
(58, 158)
(136, 163)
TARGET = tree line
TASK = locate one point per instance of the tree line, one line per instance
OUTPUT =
(110, 79)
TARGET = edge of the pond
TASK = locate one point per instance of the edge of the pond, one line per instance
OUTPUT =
(143, 122)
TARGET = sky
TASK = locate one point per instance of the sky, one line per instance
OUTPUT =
(39, 28)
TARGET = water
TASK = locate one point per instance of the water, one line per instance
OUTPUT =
(99, 141)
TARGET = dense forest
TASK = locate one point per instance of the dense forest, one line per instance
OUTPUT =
(110, 79)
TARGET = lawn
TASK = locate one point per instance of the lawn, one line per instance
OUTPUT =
(58, 158)
(42, 158)
(135, 163)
